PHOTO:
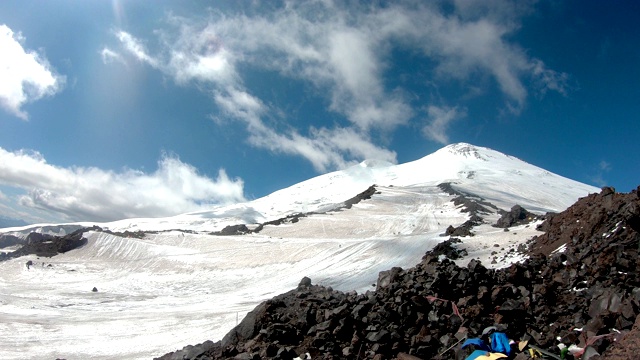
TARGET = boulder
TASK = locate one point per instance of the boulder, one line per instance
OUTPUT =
(516, 216)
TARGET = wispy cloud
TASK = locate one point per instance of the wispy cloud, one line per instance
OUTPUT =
(345, 51)
(438, 121)
(135, 47)
(323, 148)
(80, 193)
(547, 79)
(25, 75)
(598, 175)
(109, 56)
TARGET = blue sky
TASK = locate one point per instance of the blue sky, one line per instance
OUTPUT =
(116, 109)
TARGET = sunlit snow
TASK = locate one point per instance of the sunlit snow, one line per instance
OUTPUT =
(182, 286)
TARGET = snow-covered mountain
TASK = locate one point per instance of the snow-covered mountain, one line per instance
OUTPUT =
(181, 284)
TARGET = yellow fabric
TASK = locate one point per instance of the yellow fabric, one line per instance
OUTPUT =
(492, 356)
(535, 354)
(523, 344)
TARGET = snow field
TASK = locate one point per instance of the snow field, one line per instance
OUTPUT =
(179, 287)
(171, 289)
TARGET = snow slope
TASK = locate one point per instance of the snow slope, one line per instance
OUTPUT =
(182, 286)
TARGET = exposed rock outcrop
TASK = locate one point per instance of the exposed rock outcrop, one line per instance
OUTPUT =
(7, 240)
(48, 245)
(516, 216)
(233, 230)
(465, 228)
(365, 195)
(448, 249)
(242, 229)
(587, 294)
(470, 203)
(591, 223)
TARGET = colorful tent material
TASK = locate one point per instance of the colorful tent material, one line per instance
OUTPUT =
(485, 355)
(492, 356)
(476, 354)
(478, 343)
(500, 343)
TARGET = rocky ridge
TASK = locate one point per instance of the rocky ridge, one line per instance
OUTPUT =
(580, 286)
(242, 229)
(44, 245)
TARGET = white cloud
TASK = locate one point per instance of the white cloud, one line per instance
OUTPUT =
(199, 54)
(548, 79)
(194, 56)
(211, 67)
(323, 51)
(345, 52)
(474, 39)
(598, 174)
(439, 119)
(604, 165)
(598, 179)
(323, 148)
(93, 194)
(136, 48)
(109, 56)
(356, 144)
(242, 105)
(26, 75)
(462, 48)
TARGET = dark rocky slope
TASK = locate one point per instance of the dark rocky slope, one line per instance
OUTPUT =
(45, 245)
(587, 294)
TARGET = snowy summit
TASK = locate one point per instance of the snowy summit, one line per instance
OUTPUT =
(165, 282)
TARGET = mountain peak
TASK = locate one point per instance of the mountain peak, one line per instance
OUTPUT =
(319, 227)
(467, 150)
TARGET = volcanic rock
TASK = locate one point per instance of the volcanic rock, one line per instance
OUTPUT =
(585, 293)
(449, 250)
(517, 216)
(47, 245)
(233, 230)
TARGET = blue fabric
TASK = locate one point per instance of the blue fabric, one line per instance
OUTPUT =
(477, 342)
(500, 343)
(476, 354)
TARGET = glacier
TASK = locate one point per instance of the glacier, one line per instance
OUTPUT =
(180, 284)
